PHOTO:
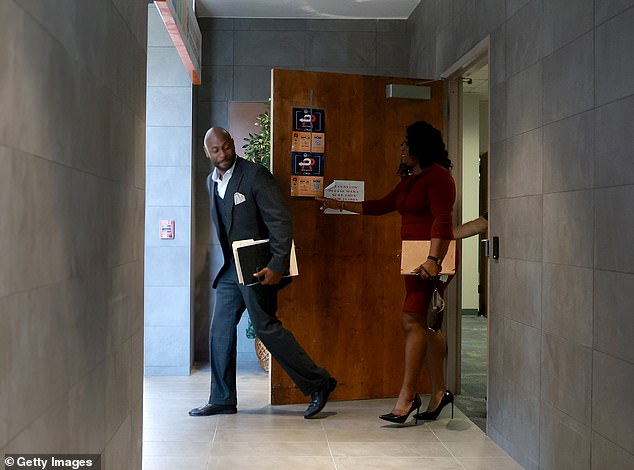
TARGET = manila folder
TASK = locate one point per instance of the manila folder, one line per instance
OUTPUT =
(415, 252)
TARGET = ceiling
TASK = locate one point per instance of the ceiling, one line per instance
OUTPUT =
(307, 9)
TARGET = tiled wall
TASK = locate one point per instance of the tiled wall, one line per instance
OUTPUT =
(168, 273)
(238, 55)
(561, 373)
(72, 147)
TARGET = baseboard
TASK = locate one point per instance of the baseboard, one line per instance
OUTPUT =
(470, 311)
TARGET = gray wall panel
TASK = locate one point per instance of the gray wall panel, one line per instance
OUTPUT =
(269, 48)
(568, 153)
(614, 61)
(565, 21)
(568, 83)
(72, 135)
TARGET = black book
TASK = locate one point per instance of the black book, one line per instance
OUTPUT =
(252, 256)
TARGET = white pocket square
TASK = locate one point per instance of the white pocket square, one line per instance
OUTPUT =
(238, 198)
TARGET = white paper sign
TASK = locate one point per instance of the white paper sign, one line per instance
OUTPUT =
(345, 190)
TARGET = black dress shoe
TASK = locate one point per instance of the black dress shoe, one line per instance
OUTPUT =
(320, 398)
(208, 409)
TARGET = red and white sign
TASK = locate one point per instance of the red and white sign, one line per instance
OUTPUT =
(166, 228)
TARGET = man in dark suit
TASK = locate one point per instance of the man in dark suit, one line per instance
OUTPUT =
(246, 203)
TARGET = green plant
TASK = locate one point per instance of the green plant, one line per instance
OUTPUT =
(250, 332)
(258, 146)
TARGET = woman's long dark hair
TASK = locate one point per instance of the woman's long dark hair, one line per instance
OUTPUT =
(425, 145)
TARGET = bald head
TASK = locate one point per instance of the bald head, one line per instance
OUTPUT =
(219, 131)
(220, 149)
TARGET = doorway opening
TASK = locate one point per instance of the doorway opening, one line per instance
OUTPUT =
(470, 125)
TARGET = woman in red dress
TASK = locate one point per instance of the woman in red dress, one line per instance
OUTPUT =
(424, 198)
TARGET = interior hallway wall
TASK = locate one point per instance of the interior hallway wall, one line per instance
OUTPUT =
(72, 138)
(561, 373)
(238, 55)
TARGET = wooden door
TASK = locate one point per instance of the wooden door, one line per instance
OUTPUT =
(345, 306)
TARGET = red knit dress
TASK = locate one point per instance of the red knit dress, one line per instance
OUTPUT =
(425, 202)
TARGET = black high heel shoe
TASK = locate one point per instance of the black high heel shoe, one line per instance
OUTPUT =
(432, 415)
(400, 419)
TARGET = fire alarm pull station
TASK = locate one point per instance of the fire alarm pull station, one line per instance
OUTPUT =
(167, 229)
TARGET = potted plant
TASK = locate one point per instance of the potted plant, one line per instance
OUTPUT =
(258, 146)
(264, 357)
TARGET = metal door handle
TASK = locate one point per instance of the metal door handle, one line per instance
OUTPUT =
(485, 246)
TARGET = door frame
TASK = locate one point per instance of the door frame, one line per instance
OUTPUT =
(478, 55)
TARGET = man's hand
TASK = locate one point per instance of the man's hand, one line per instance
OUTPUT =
(268, 277)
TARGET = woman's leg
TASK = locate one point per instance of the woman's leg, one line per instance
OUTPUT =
(435, 361)
(415, 345)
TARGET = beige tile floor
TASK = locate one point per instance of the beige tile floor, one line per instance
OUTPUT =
(347, 436)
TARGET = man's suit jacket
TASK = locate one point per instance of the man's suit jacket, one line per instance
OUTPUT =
(257, 210)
